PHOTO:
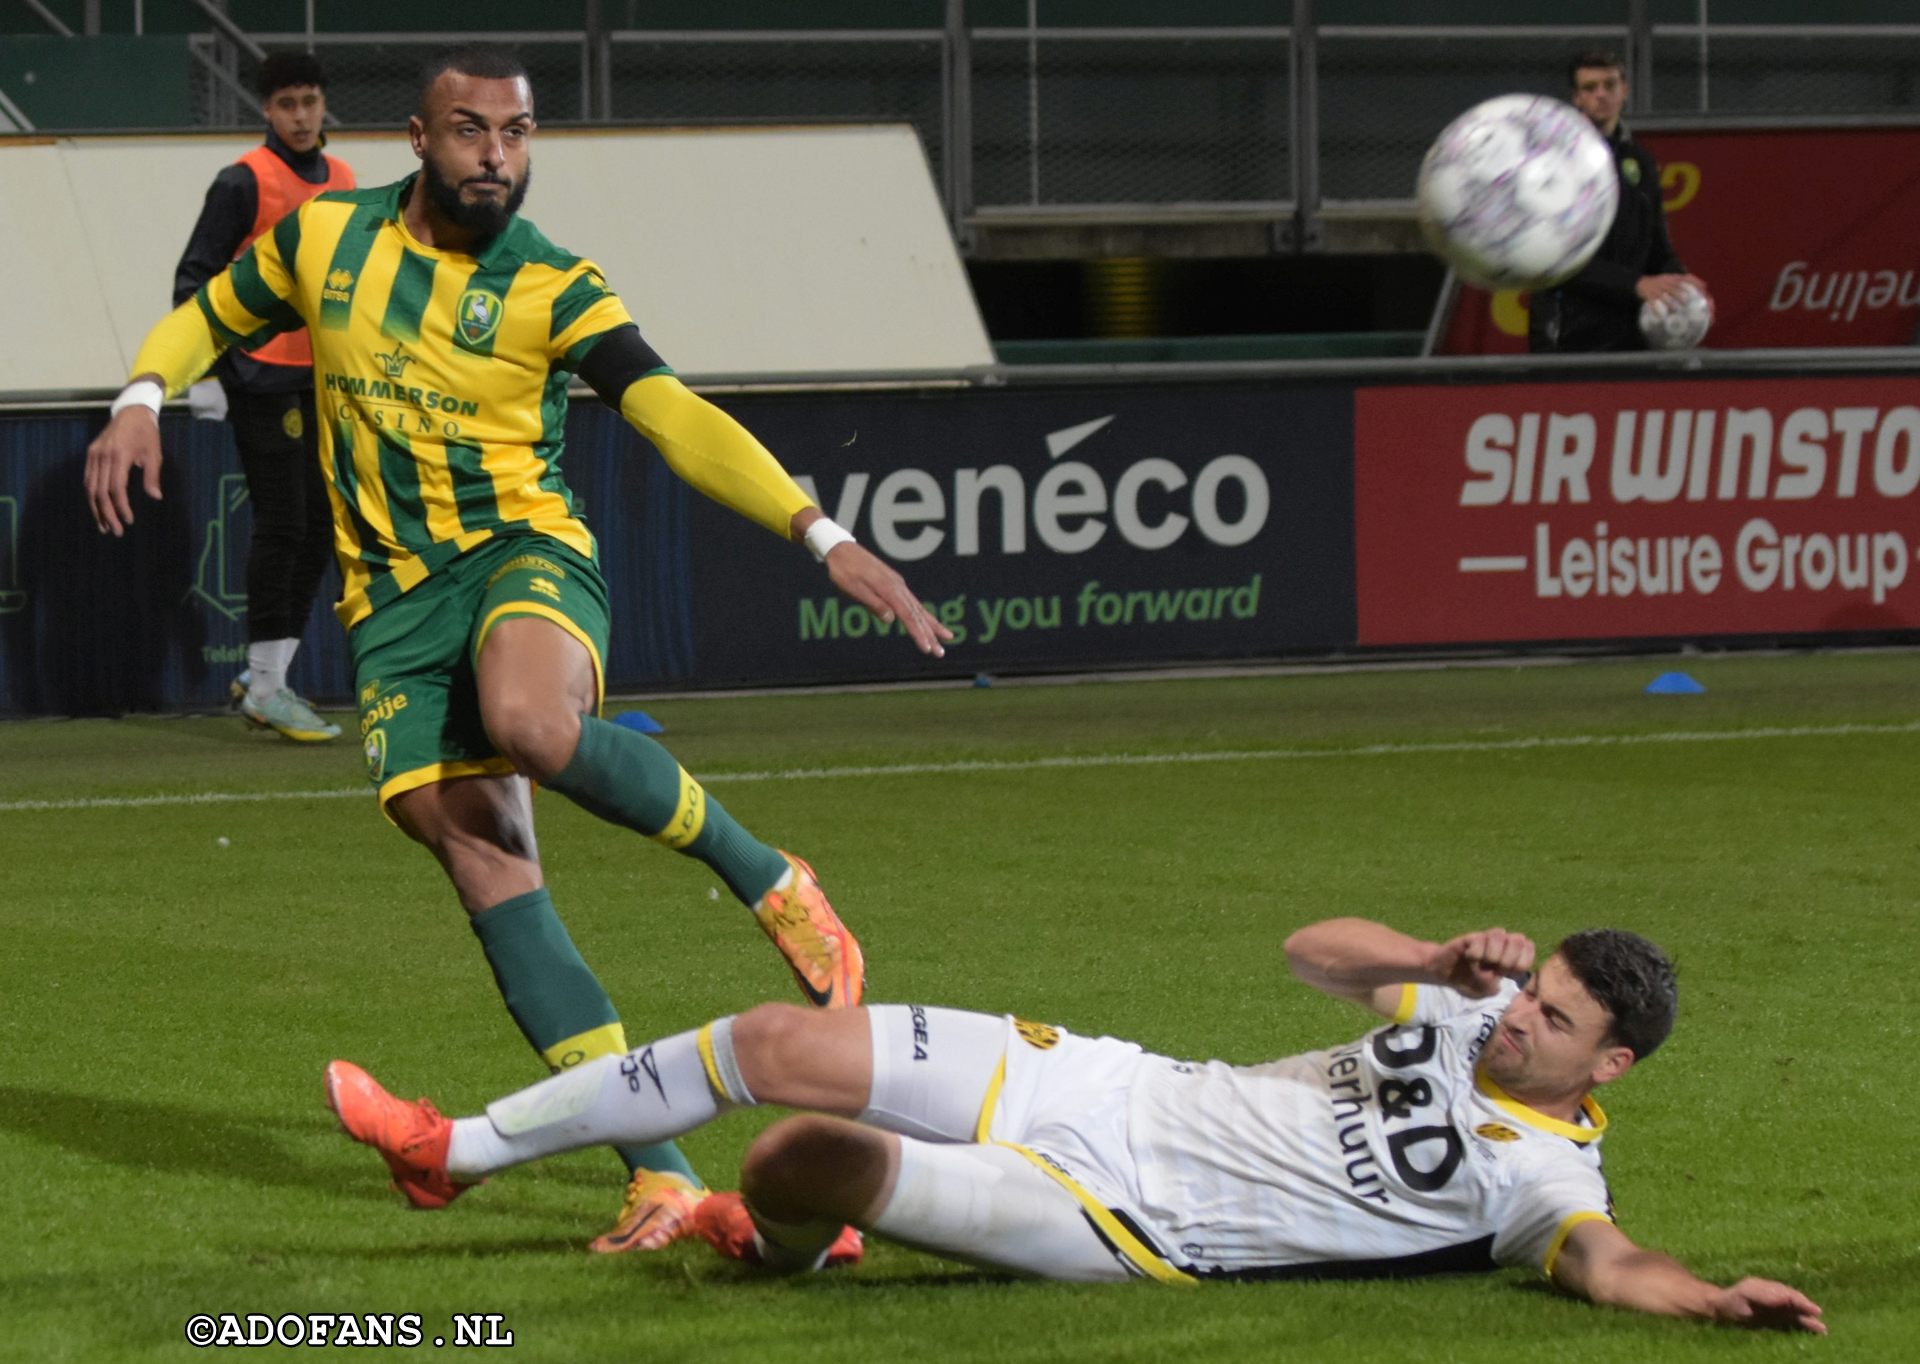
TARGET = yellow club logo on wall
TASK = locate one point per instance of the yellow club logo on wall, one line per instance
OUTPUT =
(1509, 311)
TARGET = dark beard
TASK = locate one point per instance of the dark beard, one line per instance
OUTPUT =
(484, 218)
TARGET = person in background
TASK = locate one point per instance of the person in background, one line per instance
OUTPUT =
(266, 392)
(1598, 309)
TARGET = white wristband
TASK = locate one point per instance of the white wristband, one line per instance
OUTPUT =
(141, 393)
(823, 536)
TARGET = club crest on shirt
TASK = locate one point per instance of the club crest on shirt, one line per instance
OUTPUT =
(1039, 1035)
(1496, 1131)
(477, 315)
(293, 423)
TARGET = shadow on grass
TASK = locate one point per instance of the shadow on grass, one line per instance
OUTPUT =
(477, 1248)
(690, 1263)
(168, 1138)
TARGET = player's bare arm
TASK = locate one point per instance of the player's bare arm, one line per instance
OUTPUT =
(1369, 963)
(1599, 1263)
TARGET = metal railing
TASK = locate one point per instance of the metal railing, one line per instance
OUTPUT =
(1037, 123)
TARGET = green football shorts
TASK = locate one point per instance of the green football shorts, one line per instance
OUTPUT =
(414, 658)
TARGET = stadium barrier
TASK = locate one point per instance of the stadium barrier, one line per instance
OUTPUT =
(1068, 518)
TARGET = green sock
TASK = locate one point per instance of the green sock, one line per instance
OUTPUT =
(627, 779)
(561, 1009)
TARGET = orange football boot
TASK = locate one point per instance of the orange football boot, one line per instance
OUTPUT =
(658, 1211)
(723, 1222)
(411, 1137)
(825, 958)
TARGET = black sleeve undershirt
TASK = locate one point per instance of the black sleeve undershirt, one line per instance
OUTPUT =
(615, 361)
(232, 201)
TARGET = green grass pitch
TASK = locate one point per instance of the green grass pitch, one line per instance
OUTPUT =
(1121, 857)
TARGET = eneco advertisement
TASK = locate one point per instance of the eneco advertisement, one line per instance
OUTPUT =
(1805, 238)
(1636, 510)
(1047, 529)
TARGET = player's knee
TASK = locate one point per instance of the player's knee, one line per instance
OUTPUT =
(536, 734)
(769, 1042)
(810, 1167)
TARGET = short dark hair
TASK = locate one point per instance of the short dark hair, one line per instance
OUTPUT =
(279, 70)
(1591, 59)
(485, 60)
(1632, 980)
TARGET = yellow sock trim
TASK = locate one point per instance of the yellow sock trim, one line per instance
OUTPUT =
(610, 1039)
(704, 1041)
(689, 815)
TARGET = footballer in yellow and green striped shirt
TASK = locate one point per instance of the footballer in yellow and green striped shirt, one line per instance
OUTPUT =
(445, 330)
(441, 382)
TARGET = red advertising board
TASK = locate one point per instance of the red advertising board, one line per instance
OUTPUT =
(1805, 238)
(1636, 510)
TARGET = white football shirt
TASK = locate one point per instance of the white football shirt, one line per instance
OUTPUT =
(1387, 1154)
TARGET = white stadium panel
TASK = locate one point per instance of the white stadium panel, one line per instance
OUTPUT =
(57, 330)
(810, 251)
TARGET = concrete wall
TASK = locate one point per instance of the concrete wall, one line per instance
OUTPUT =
(763, 251)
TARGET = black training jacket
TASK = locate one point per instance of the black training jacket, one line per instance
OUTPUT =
(1597, 309)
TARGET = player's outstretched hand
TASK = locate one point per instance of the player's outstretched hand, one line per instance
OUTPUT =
(1768, 1306)
(1476, 963)
(863, 576)
(131, 441)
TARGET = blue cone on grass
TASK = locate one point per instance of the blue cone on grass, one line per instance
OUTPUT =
(1674, 684)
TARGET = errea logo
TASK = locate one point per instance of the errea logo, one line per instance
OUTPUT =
(339, 287)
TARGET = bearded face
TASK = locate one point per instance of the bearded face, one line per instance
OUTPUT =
(482, 203)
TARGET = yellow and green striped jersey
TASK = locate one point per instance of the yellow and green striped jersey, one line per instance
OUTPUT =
(441, 378)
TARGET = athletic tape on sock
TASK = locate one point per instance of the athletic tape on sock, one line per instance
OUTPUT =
(566, 1096)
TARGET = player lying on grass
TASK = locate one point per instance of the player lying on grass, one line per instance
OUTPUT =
(1461, 1136)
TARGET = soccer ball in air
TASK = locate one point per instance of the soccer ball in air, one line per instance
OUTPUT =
(1518, 192)
(1677, 324)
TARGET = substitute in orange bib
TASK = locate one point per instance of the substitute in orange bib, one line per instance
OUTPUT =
(268, 391)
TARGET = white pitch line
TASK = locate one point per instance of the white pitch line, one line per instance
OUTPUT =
(1070, 761)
